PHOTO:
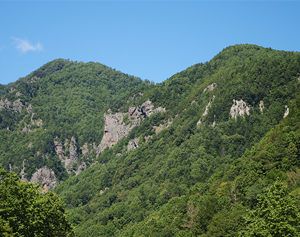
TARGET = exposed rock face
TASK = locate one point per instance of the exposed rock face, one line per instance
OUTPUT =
(4, 104)
(147, 138)
(146, 109)
(261, 106)
(115, 128)
(287, 111)
(15, 106)
(210, 87)
(72, 159)
(207, 106)
(28, 129)
(133, 144)
(18, 93)
(72, 156)
(80, 168)
(85, 150)
(29, 108)
(59, 150)
(240, 108)
(206, 109)
(46, 178)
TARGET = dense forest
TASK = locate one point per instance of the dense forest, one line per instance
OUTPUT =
(219, 158)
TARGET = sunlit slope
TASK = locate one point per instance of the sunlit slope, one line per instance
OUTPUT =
(218, 110)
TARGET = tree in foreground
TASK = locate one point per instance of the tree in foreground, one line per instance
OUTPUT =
(25, 211)
(276, 214)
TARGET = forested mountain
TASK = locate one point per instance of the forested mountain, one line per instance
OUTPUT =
(62, 103)
(187, 157)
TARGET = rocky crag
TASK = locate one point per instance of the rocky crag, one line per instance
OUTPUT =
(239, 107)
(45, 177)
(118, 126)
(68, 154)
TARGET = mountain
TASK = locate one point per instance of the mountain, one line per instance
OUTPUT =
(52, 118)
(186, 157)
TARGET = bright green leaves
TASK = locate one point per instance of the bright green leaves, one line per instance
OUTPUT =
(276, 214)
(25, 211)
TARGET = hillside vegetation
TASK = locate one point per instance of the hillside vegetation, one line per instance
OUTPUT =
(211, 151)
(59, 101)
(228, 149)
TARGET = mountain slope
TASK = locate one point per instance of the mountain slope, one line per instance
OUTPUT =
(217, 111)
(48, 118)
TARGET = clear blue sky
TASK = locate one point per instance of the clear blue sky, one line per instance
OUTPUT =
(149, 39)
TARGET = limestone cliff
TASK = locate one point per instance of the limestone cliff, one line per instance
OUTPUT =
(67, 153)
(240, 108)
(118, 126)
(73, 157)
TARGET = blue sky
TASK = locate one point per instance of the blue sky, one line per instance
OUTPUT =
(149, 39)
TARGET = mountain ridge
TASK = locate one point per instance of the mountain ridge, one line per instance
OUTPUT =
(213, 114)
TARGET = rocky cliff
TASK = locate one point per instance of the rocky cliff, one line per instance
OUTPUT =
(118, 126)
(68, 154)
(240, 108)
(45, 177)
(15, 105)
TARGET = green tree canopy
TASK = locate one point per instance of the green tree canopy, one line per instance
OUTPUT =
(25, 211)
(275, 215)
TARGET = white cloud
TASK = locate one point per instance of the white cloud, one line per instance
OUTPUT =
(24, 45)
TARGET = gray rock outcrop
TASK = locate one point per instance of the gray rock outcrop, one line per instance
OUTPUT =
(208, 105)
(133, 144)
(15, 106)
(287, 111)
(210, 87)
(240, 108)
(46, 178)
(59, 150)
(71, 157)
(18, 93)
(115, 128)
(29, 108)
(206, 109)
(147, 109)
(80, 168)
(261, 106)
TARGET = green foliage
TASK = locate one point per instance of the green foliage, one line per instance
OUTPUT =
(25, 211)
(70, 99)
(190, 179)
(276, 214)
